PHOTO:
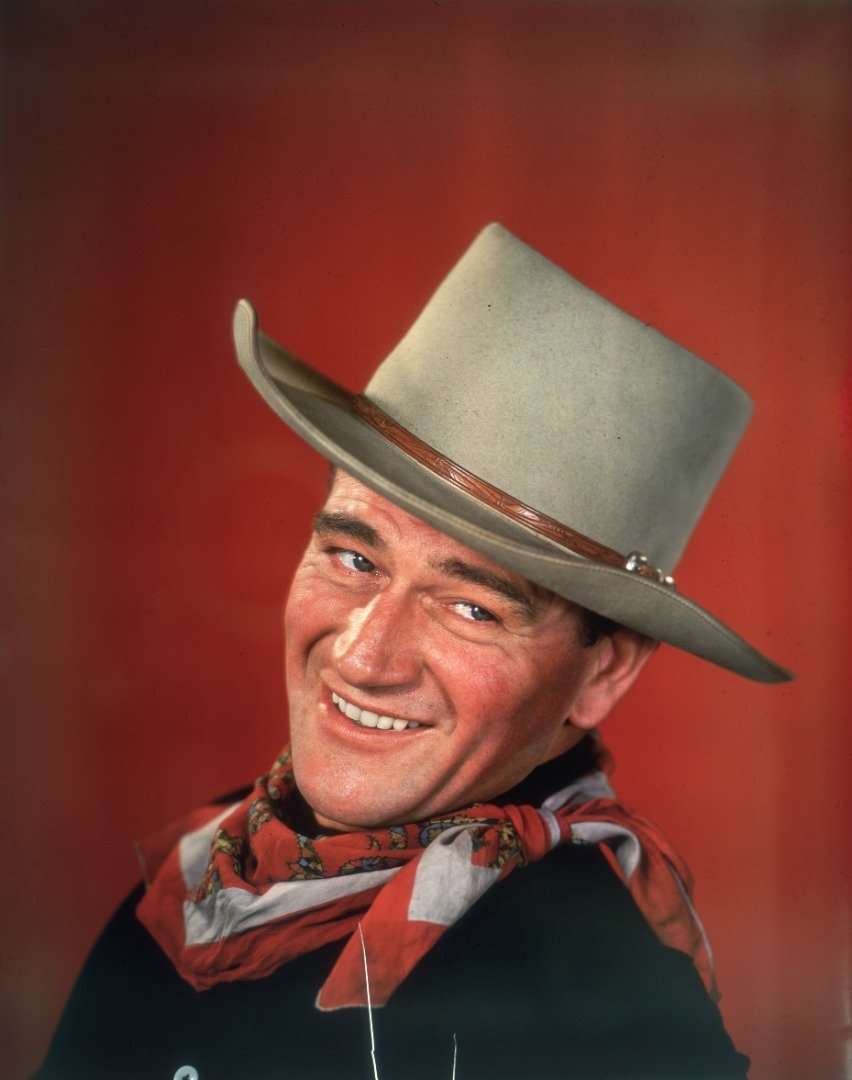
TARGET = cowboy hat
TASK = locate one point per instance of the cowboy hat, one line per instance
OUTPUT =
(533, 421)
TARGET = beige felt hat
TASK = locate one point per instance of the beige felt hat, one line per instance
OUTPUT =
(532, 420)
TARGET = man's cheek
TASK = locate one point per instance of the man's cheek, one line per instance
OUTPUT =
(485, 681)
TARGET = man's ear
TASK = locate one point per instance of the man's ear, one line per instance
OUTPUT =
(620, 657)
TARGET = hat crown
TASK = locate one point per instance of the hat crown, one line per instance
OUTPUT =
(530, 380)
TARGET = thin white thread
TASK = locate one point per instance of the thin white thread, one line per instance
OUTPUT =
(370, 1005)
(455, 1055)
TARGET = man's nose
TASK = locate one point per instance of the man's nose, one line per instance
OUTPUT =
(378, 648)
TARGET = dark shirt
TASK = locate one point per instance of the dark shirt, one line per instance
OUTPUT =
(553, 973)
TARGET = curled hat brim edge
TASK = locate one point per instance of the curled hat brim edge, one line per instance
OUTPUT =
(321, 412)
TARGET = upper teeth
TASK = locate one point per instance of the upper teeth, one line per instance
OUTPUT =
(370, 719)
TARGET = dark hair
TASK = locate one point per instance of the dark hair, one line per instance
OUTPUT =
(593, 626)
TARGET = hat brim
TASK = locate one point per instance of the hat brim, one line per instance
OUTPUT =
(322, 413)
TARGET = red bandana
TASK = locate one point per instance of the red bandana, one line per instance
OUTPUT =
(236, 892)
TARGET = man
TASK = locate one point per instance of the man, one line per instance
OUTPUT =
(486, 579)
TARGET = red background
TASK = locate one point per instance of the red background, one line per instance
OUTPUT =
(693, 162)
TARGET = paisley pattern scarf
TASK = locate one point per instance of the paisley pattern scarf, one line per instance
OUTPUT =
(236, 892)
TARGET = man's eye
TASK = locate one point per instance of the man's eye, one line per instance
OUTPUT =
(474, 612)
(353, 561)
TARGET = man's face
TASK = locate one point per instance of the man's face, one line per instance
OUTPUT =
(457, 676)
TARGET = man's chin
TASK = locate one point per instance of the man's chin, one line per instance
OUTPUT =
(335, 825)
(354, 811)
(348, 791)
(346, 819)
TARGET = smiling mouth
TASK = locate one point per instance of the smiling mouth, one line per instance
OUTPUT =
(365, 718)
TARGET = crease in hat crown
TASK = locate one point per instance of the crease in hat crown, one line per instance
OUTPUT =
(533, 383)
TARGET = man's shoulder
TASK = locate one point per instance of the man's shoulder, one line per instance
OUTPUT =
(566, 914)
(557, 964)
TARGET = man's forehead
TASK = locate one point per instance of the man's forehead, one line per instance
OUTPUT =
(383, 521)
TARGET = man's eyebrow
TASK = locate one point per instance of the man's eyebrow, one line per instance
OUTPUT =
(478, 575)
(326, 524)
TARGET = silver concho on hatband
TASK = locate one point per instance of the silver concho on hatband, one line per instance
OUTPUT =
(634, 563)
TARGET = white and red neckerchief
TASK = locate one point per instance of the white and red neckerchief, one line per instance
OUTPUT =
(236, 892)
